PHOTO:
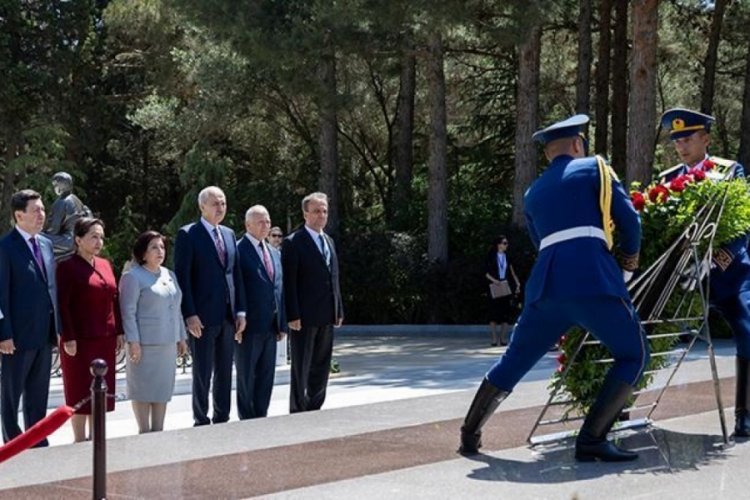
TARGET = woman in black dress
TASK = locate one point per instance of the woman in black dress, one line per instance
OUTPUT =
(502, 310)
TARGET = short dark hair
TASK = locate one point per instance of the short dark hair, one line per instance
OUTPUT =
(141, 244)
(84, 225)
(20, 200)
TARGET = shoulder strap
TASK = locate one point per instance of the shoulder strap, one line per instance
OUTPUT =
(722, 161)
(605, 198)
(670, 170)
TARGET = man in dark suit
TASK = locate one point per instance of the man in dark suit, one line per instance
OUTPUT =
(28, 299)
(313, 303)
(255, 355)
(213, 303)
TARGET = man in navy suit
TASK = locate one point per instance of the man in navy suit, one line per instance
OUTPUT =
(28, 299)
(255, 355)
(213, 303)
(313, 304)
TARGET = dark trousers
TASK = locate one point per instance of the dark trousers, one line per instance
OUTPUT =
(312, 348)
(736, 310)
(24, 374)
(255, 359)
(612, 320)
(212, 357)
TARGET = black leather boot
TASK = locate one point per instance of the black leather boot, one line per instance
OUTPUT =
(742, 398)
(486, 401)
(592, 441)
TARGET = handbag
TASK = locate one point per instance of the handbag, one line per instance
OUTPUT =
(500, 289)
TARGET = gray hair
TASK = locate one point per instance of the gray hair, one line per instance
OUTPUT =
(209, 191)
(256, 210)
(317, 196)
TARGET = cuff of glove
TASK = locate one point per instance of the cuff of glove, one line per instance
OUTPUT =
(723, 258)
(627, 262)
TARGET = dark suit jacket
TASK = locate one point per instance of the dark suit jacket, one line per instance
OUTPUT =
(311, 290)
(26, 299)
(265, 299)
(206, 284)
(493, 270)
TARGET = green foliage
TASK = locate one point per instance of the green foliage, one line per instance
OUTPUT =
(662, 221)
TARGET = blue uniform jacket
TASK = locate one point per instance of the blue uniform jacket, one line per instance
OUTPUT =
(565, 196)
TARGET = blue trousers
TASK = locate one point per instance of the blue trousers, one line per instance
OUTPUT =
(612, 320)
(736, 310)
(255, 359)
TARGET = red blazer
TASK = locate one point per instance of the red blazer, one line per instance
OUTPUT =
(87, 297)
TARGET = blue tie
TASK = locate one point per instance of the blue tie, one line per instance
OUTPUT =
(323, 249)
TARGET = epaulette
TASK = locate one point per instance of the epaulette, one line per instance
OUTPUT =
(670, 170)
(722, 161)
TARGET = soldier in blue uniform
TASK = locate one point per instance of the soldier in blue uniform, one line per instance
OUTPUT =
(730, 266)
(690, 132)
(576, 280)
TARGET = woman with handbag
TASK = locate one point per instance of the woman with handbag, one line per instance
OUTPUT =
(502, 290)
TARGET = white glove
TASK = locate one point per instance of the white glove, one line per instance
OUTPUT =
(627, 275)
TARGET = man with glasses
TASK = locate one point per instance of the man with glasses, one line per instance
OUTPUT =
(275, 237)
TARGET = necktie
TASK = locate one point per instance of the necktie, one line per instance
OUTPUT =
(266, 260)
(220, 247)
(324, 249)
(38, 256)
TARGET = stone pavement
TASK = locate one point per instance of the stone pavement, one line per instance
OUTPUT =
(389, 430)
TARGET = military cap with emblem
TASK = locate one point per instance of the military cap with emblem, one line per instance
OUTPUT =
(681, 122)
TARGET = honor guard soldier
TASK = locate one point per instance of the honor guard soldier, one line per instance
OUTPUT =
(575, 281)
(690, 132)
(730, 266)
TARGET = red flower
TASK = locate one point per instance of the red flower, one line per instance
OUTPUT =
(698, 174)
(638, 200)
(678, 185)
(562, 358)
(708, 164)
(658, 194)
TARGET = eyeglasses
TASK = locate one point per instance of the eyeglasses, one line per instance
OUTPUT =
(503, 242)
(277, 235)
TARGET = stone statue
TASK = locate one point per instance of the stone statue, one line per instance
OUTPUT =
(65, 211)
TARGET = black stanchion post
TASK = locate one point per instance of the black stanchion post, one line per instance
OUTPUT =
(98, 412)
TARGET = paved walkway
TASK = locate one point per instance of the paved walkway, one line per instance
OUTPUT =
(389, 430)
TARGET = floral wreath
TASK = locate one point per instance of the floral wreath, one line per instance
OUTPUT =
(665, 210)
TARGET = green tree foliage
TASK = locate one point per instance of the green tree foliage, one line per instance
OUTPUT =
(147, 101)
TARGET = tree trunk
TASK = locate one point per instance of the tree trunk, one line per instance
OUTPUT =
(642, 102)
(437, 191)
(402, 137)
(744, 156)
(602, 77)
(620, 88)
(328, 138)
(709, 63)
(527, 111)
(583, 76)
(13, 144)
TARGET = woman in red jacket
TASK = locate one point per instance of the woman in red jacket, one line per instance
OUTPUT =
(91, 327)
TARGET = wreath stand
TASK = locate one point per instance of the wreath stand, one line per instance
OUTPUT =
(679, 278)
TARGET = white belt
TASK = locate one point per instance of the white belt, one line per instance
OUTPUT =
(571, 234)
